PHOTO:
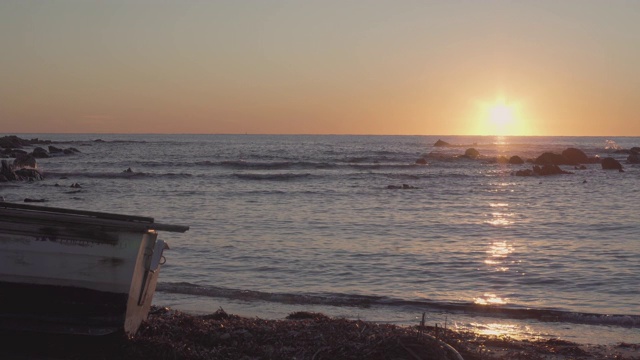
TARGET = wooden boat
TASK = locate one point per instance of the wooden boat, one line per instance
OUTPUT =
(77, 272)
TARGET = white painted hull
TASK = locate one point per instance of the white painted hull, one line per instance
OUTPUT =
(65, 273)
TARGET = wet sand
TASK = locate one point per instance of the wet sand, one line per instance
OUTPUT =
(171, 334)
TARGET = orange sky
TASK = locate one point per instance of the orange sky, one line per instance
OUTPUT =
(321, 67)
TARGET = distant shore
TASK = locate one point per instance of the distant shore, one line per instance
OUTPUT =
(171, 334)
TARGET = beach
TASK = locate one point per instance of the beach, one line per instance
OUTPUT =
(171, 334)
(374, 228)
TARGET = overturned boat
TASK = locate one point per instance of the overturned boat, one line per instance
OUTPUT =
(77, 272)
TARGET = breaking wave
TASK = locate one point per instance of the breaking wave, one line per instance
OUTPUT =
(348, 300)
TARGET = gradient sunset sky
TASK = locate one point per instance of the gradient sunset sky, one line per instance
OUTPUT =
(321, 67)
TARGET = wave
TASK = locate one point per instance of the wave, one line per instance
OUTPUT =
(348, 300)
(116, 175)
(271, 177)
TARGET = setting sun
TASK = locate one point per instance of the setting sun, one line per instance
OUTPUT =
(501, 114)
(500, 117)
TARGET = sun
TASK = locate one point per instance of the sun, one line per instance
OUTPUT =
(501, 114)
(500, 117)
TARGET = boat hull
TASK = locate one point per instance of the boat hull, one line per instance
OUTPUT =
(76, 278)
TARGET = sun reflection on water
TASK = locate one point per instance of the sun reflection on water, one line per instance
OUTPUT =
(490, 299)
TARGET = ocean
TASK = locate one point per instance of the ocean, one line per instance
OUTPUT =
(352, 226)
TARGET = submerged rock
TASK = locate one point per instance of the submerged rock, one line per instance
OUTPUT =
(633, 158)
(441, 143)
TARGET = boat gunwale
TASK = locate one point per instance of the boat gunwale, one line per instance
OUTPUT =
(33, 213)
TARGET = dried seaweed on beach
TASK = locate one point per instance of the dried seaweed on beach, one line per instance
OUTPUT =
(171, 334)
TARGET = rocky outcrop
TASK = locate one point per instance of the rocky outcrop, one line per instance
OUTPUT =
(610, 163)
(633, 158)
(9, 172)
(421, 161)
(516, 160)
(471, 153)
(441, 143)
(576, 156)
(550, 158)
(544, 170)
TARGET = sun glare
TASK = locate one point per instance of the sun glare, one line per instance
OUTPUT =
(501, 114)
(500, 117)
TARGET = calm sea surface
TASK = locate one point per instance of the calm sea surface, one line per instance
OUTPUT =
(322, 223)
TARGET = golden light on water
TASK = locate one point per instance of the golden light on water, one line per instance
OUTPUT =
(490, 299)
(509, 330)
(500, 218)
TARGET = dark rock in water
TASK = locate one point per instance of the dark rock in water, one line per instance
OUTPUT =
(472, 153)
(635, 149)
(9, 172)
(29, 200)
(28, 174)
(634, 158)
(71, 151)
(576, 156)
(610, 163)
(40, 153)
(25, 161)
(441, 143)
(516, 160)
(54, 150)
(524, 172)
(502, 160)
(549, 158)
(544, 170)
(421, 161)
(549, 169)
(403, 186)
(75, 185)
(130, 171)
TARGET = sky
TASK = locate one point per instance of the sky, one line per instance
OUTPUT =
(401, 67)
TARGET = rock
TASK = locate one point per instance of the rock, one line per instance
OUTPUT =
(403, 186)
(502, 160)
(544, 170)
(576, 156)
(516, 160)
(40, 153)
(25, 161)
(71, 151)
(549, 169)
(441, 143)
(472, 153)
(525, 172)
(610, 163)
(29, 200)
(130, 171)
(54, 150)
(550, 158)
(75, 185)
(421, 161)
(634, 158)
(635, 149)
(28, 174)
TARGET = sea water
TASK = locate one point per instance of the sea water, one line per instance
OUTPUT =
(352, 226)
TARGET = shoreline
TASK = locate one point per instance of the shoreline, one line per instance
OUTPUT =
(173, 334)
